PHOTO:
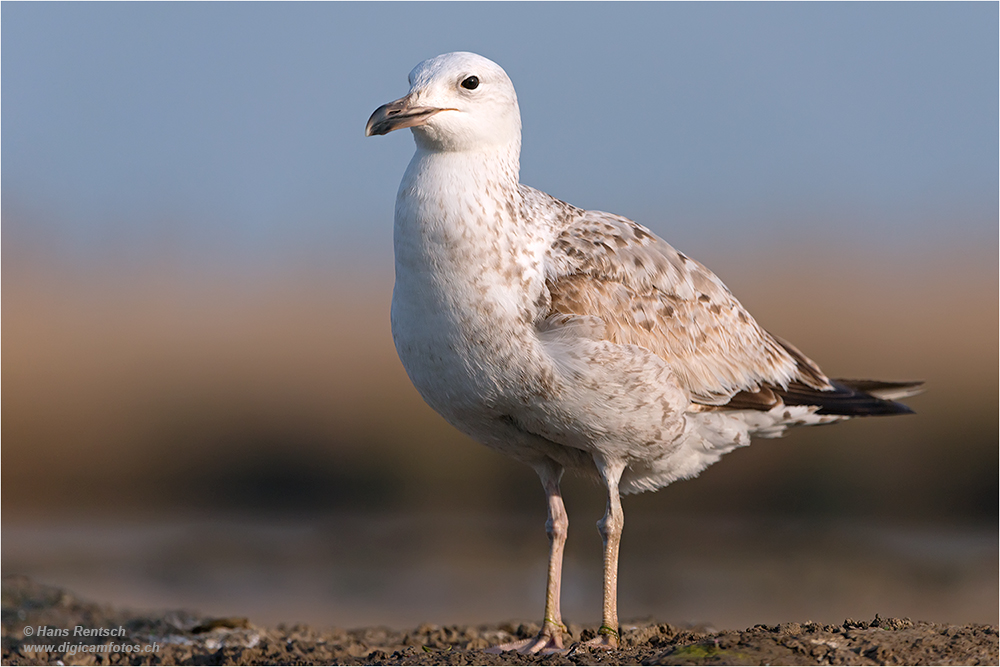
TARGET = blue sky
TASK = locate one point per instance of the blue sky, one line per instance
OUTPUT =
(235, 130)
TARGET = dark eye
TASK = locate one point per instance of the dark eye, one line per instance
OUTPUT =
(471, 83)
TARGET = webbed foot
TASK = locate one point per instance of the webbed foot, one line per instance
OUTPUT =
(549, 640)
(606, 639)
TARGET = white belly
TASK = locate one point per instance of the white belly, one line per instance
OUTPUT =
(457, 349)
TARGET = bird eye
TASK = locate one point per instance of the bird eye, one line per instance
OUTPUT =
(471, 83)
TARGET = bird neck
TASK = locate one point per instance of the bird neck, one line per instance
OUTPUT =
(459, 229)
(496, 165)
(456, 197)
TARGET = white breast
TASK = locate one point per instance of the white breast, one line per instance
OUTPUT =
(462, 307)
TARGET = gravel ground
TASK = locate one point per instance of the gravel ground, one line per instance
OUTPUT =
(47, 625)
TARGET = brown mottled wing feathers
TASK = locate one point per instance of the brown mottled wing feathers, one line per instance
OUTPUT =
(650, 295)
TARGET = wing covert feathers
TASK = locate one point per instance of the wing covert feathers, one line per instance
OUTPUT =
(653, 296)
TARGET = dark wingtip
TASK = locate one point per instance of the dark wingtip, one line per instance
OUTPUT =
(850, 398)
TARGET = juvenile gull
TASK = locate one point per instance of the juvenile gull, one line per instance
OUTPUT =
(573, 339)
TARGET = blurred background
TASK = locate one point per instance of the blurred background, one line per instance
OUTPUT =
(201, 403)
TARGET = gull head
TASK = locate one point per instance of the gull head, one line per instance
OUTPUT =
(457, 102)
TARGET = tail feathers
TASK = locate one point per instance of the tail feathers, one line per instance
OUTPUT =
(853, 397)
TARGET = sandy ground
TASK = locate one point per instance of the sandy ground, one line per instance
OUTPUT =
(33, 613)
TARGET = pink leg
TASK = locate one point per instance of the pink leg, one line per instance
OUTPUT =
(550, 639)
(610, 527)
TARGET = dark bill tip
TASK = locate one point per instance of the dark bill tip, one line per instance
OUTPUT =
(396, 115)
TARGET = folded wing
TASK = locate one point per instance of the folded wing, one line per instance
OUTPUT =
(651, 295)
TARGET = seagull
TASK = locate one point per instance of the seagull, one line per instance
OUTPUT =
(571, 339)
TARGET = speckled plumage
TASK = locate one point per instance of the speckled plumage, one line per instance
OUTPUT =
(566, 338)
